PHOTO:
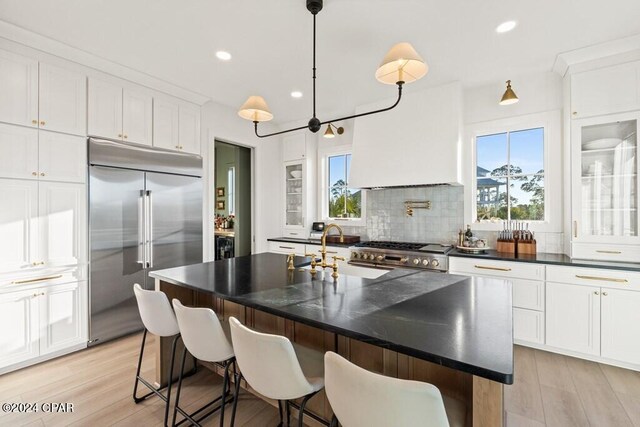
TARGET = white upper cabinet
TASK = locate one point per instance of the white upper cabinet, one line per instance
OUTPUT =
(189, 133)
(18, 152)
(62, 157)
(606, 90)
(416, 143)
(18, 89)
(294, 147)
(165, 124)
(137, 121)
(62, 215)
(18, 224)
(105, 109)
(63, 100)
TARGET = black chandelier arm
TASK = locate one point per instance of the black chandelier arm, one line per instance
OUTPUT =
(255, 126)
(314, 65)
(368, 113)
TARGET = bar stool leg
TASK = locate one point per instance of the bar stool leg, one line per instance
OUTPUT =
(173, 358)
(135, 385)
(175, 408)
(334, 421)
(236, 394)
(288, 413)
(225, 385)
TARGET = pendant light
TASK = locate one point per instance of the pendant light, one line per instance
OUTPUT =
(402, 64)
(329, 132)
(509, 97)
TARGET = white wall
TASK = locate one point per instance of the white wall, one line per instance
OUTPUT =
(222, 123)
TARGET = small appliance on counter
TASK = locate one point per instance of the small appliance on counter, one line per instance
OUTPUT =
(316, 231)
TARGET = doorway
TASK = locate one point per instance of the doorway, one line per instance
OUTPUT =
(232, 223)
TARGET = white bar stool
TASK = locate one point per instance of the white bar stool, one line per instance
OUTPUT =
(360, 398)
(270, 366)
(205, 339)
(157, 318)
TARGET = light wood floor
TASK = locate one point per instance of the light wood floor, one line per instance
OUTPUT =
(550, 389)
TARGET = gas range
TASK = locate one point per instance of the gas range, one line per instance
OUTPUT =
(427, 256)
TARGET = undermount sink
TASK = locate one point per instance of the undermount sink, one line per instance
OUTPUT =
(353, 270)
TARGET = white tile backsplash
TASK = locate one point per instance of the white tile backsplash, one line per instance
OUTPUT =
(387, 220)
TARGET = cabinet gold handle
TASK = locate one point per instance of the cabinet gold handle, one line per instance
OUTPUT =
(575, 228)
(34, 122)
(38, 295)
(332, 252)
(608, 252)
(286, 247)
(39, 279)
(606, 279)
(42, 122)
(485, 267)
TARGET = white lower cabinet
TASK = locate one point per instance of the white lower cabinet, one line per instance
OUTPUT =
(573, 317)
(63, 318)
(41, 319)
(620, 325)
(528, 325)
(19, 327)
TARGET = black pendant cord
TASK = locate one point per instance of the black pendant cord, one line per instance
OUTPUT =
(314, 66)
(355, 116)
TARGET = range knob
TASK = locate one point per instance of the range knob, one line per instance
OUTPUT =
(425, 262)
(404, 260)
(372, 257)
(435, 262)
(416, 261)
(380, 258)
(354, 255)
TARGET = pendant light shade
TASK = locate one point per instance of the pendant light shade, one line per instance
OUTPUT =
(255, 109)
(329, 132)
(509, 97)
(401, 64)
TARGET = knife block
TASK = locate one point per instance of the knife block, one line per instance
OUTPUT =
(526, 248)
(506, 246)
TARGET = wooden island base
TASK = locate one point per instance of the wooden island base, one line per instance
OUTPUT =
(483, 397)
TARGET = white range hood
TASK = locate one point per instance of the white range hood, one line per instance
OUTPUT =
(417, 143)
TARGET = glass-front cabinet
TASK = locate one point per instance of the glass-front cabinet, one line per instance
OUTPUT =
(295, 194)
(605, 181)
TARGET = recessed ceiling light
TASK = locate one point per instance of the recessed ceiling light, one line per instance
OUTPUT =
(223, 56)
(506, 26)
(296, 94)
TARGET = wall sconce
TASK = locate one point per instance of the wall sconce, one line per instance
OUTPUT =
(329, 132)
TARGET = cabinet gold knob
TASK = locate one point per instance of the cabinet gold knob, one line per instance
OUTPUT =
(605, 294)
(41, 173)
(178, 147)
(34, 122)
(119, 135)
(596, 293)
(42, 123)
(125, 136)
(34, 173)
(575, 113)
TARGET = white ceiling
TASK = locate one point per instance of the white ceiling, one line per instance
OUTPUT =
(270, 41)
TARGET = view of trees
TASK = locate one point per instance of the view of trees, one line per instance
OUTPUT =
(344, 202)
(532, 208)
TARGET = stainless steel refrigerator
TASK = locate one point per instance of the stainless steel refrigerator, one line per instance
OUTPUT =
(145, 214)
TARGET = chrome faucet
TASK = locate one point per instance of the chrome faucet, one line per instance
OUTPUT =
(323, 251)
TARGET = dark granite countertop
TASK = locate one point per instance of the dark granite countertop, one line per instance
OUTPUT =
(460, 322)
(307, 241)
(553, 259)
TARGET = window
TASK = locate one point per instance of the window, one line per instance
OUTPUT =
(510, 175)
(343, 202)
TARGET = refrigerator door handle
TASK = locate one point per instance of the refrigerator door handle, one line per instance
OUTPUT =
(149, 229)
(142, 247)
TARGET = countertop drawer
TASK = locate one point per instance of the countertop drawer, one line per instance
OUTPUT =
(603, 252)
(506, 269)
(617, 279)
(287, 248)
(36, 278)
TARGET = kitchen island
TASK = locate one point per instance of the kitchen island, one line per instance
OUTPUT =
(452, 331)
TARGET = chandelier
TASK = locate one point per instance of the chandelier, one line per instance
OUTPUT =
(400, 65)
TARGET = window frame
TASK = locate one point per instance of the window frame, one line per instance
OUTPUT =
(323, 189)
(553, 207)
